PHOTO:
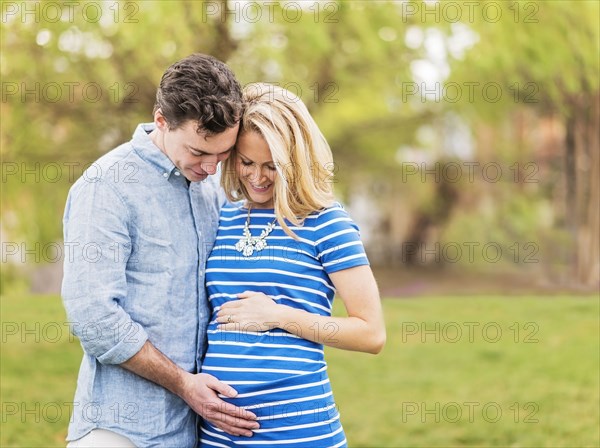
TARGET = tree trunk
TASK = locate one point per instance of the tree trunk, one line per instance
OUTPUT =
(430, 223)
(583, 185)
(225, 46)
(589, 251)
(571, 209)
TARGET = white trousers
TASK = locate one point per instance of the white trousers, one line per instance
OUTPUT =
(101, 438)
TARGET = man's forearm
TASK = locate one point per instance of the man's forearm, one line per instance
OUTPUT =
(151, 364)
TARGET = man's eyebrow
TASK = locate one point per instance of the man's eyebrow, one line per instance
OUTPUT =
(191, 148)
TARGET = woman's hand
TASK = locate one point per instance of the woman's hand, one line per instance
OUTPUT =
(362, 330)
(254, 311)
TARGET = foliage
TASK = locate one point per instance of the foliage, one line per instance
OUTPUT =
(540, 52)
(351, 62)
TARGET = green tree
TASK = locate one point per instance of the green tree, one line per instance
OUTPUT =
(72, 89)
(544, 55)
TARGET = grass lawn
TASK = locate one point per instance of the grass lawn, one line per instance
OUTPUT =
(474, 371)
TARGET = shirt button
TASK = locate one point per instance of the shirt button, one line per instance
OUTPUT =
(165, 174)
(177, 173)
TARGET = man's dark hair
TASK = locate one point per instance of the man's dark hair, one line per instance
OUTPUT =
(203, 89)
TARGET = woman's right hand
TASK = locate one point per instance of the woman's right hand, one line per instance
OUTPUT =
(253, 310)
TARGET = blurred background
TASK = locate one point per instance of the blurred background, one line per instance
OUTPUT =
(466, 141)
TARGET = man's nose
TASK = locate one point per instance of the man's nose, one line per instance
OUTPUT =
(209, 167)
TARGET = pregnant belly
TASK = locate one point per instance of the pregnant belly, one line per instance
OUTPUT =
(302, 401)
(267, 378)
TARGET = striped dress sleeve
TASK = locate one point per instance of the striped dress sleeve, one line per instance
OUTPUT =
(337, 240)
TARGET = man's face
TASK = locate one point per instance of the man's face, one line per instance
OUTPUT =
(195, 154)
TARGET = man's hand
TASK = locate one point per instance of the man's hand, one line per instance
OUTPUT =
(200, 391)
(201, 394)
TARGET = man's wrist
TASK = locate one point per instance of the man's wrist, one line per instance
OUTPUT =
(180, 386)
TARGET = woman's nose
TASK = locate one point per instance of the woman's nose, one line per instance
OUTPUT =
(256, 173)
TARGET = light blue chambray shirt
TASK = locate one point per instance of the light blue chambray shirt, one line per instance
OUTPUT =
(136, 242)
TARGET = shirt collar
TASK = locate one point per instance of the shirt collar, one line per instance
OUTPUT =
(150, 153)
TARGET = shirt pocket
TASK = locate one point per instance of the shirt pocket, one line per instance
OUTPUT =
(150, 264)
(150, 254)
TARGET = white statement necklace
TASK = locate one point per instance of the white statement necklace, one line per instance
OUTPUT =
(248, 244)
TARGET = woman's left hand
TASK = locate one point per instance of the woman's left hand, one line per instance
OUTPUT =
(254, 311)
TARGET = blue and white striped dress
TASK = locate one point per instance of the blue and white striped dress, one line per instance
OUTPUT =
(279, 376)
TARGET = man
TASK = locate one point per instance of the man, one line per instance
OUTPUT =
(139, 225)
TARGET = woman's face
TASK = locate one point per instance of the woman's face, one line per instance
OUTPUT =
(255, 167)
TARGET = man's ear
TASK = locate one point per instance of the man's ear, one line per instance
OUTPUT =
(160, 121)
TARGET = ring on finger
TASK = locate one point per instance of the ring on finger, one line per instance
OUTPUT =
(229, 319)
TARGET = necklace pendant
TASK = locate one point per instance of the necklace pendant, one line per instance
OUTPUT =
(245, 247)
(260, 244)
(248, 244)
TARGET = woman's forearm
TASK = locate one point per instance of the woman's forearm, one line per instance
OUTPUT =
(348, 333)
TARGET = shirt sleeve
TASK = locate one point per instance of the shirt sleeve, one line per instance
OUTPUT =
(337, 241)
(97, 247)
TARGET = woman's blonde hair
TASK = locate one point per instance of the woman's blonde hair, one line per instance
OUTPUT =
(300, 153)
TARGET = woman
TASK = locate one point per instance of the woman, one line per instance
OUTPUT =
(279, 258)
